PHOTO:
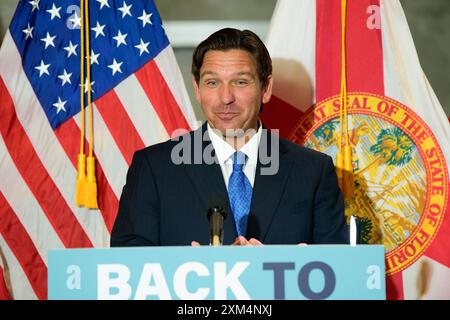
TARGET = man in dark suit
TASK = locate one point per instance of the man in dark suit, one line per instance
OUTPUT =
(275, 192)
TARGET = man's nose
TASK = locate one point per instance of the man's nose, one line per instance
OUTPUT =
(227, 95)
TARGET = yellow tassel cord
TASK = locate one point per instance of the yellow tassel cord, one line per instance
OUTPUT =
(81, 180)
(90, 200)
(86, 192)
(81, 159)
(344, 166)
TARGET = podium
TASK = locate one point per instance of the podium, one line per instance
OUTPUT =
(268, 272)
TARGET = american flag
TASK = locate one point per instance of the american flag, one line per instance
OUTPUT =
(139, 99)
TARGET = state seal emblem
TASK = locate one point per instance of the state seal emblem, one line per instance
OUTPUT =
(400, 174)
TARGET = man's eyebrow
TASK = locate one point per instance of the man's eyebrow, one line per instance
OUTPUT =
(208, 73)
(212, 73)
(244, 73)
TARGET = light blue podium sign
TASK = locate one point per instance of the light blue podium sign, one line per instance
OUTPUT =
(220, 273)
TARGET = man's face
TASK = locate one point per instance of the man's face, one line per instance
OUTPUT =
(229, 90)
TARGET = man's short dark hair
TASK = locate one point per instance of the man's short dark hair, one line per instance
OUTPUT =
(229, 38)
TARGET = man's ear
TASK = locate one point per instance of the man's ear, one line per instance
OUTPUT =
(267, 90)
(196, 89)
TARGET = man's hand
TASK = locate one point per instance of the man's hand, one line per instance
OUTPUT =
(239, 241)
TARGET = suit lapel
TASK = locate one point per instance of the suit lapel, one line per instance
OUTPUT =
(208, 180)
(267, 192)
(268, 188)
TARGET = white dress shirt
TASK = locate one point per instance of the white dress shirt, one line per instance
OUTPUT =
(224, 154)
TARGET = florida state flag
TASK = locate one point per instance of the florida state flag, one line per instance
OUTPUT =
(348, 82)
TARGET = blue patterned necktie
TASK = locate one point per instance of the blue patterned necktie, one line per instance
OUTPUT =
(239, 192)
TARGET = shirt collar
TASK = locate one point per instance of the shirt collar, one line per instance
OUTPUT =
(224, 151)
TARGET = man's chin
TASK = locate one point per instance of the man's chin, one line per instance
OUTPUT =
(233, 132)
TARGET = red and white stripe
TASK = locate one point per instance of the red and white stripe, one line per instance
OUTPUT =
(4, 290)
(38, 164)
(304, 40)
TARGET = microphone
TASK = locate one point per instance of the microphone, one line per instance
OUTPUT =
(216, 216)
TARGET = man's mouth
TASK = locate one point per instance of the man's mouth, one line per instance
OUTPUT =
(226, 116)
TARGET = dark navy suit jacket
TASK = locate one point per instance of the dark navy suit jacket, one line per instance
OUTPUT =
(163, 203)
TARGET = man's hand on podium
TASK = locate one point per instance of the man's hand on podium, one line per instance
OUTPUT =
(242, 241)
(239, 241)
